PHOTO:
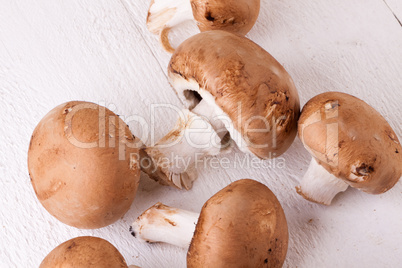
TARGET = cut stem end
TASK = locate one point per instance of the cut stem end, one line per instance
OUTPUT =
(175, 156)
(165, 224)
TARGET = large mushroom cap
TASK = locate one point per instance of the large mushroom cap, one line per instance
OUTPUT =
(242, 225)
(351, 140)
(245, 82)
(84, 252)
(237, 16)
(82, 164)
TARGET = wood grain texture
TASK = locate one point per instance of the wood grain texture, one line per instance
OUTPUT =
(54, 51)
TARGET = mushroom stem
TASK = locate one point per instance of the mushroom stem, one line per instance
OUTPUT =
(320, 186)
(174, 156)
(207, 112)
(166, 14)
(162, 223)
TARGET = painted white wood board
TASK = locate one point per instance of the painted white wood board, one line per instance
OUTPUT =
(395, 7)
(101, 51)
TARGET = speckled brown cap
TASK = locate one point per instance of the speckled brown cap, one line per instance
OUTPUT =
(246, 82)
(237, 16)
(81, 165)
(351, 140)
(242, 225)
(84, 252)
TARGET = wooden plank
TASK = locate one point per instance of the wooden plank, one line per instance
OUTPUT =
(325, 46)
(52, 52)
(101, 51)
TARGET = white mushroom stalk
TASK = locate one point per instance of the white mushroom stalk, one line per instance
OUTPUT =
(165, 224)
(163, 15)
(197, 134)
(320, 186)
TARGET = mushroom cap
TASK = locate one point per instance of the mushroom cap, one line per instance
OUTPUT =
(243, 225)
(351, 140)
(237, 16)
(80, 165)
(84, 252)
(246, 82)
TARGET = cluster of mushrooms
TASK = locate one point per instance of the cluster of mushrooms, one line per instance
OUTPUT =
(84, 165)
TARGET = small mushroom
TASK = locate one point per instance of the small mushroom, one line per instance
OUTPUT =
(236, 16)
(81, 165)
(351, 145)
(243, 225)
(85, 252)
(231, 87)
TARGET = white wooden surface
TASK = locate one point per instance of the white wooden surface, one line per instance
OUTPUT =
(101, 51)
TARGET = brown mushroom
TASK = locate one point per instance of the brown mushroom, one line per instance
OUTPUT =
(243, 225)
(81, 165)
(351, 145)
(229, 85)
(85, 252)
(236, 16)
